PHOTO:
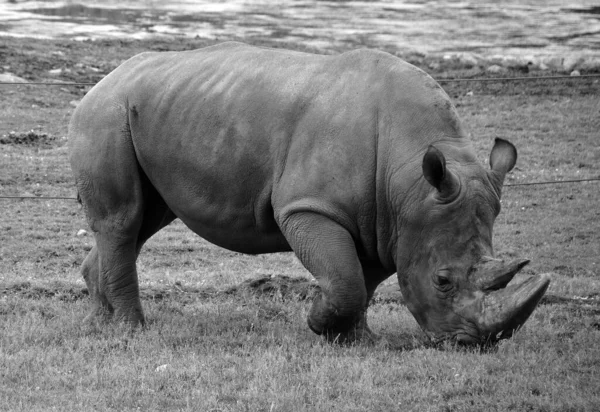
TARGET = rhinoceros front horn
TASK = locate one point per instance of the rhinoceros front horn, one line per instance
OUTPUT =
(506, 308)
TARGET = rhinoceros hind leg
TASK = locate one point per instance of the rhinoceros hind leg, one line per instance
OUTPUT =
(327, 250)
(156, 216)
(118, 280)
(101, 308)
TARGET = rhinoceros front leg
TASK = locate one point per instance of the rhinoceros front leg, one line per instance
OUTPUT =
(374, 274)
(327, 250)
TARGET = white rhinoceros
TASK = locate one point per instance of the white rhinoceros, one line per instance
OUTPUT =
(356, 162)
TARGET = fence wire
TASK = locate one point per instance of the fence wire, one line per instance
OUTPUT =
(29, 197)
(441, 80)
(549, 182)
(553, 182)
(518, 79)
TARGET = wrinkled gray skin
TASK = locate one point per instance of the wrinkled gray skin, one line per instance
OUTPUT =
(355, 162)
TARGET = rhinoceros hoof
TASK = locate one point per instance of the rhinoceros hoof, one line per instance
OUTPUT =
(98, 315)
(337, 329)
(134, 318)
(101, 314)
(328, 319)
(357, 334)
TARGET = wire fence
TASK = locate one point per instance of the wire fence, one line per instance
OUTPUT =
(440, 80)
(518, 79)
(553, 182)
(29, 197)
(549, 182)
(47, 84)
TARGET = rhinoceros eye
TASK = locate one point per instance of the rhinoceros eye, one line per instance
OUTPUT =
(442, 281)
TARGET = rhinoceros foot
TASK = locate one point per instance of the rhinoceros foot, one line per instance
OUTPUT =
(358, 334)
(325, 319)
(101, 314)
(98, 315)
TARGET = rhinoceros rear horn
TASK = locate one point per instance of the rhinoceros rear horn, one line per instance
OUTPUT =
(436, 173)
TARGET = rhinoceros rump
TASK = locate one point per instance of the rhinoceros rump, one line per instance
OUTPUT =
(356, 162)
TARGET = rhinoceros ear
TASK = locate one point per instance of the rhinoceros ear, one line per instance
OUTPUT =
(503, 157)
(436, 173)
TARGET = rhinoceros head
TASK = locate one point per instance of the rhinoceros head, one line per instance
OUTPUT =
(451, 283)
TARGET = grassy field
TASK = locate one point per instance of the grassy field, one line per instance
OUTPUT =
(216, 343)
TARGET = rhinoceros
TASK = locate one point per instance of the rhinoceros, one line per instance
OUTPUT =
(355, 162)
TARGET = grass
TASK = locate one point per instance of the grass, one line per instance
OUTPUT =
(256, 354)
(208, 346)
